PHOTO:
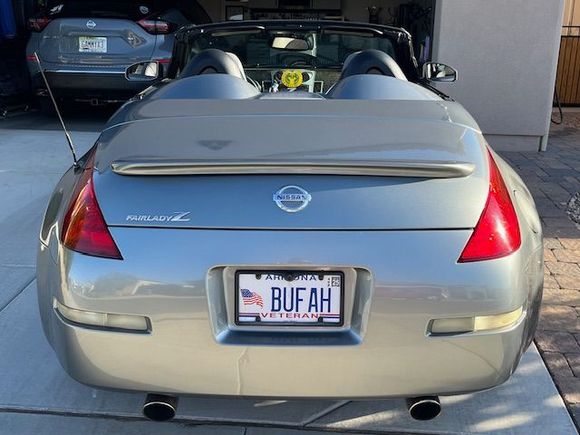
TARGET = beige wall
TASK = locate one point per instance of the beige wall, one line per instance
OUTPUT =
(507, 70)
(572, 13)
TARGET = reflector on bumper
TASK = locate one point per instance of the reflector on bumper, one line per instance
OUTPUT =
(463, 325)
(125, 322)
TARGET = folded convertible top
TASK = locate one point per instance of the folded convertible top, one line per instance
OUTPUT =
(187, 155)
(416, 138)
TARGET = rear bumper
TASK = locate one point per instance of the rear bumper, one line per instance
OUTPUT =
(396, 283)
(78, 84)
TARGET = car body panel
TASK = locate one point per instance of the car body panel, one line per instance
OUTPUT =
(246, 131)
(181, 280)
(396, 239)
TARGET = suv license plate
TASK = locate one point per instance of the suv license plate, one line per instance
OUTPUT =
(92, 44)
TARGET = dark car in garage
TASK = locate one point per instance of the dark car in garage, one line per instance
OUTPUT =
(85, 46)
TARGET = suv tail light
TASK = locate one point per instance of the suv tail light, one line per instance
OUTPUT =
(38, 24)
(156, 27)
(84, 229)
(497, 234)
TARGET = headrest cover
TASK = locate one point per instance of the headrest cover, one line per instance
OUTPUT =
(214, 61)
(371, 62)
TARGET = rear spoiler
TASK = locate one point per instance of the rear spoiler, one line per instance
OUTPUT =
(393, 168)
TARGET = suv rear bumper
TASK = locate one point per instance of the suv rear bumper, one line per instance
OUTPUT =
(88, 84)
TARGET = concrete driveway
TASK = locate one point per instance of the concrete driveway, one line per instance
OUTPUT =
(37, 397)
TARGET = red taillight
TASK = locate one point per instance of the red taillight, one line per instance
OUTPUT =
(155, 27)
(38, 24)
(84, 229)
(497, 233)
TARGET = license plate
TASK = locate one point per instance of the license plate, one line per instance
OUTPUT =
(289, 298)
(92, 44)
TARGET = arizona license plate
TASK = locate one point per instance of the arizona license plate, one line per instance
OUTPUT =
(291, 298)
(92, 44)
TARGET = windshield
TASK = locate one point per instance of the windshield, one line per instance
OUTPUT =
(326, 49)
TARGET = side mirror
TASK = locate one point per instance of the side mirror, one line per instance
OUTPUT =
(144, 72)
(439, 72)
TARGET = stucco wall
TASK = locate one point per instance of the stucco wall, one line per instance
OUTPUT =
(506, 53)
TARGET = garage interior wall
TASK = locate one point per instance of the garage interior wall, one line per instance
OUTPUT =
(214, 8)
(353, 10)
(506, 53)
(357, 10)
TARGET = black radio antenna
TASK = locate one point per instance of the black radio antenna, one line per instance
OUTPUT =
(66, 133)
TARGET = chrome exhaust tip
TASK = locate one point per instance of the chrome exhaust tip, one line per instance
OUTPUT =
(424, 408)
(158, 407)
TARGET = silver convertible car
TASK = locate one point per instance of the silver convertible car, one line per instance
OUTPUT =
(294, 213)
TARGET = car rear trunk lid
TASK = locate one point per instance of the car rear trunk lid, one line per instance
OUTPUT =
(387, 171)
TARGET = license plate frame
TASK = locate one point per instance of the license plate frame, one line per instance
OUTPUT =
(293, 324)
(101, 48)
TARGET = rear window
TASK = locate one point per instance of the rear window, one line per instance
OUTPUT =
(127, 9)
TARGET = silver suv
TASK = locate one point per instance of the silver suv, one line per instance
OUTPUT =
(85, 46)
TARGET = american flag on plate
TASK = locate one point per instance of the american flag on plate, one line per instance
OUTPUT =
(251, 298)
